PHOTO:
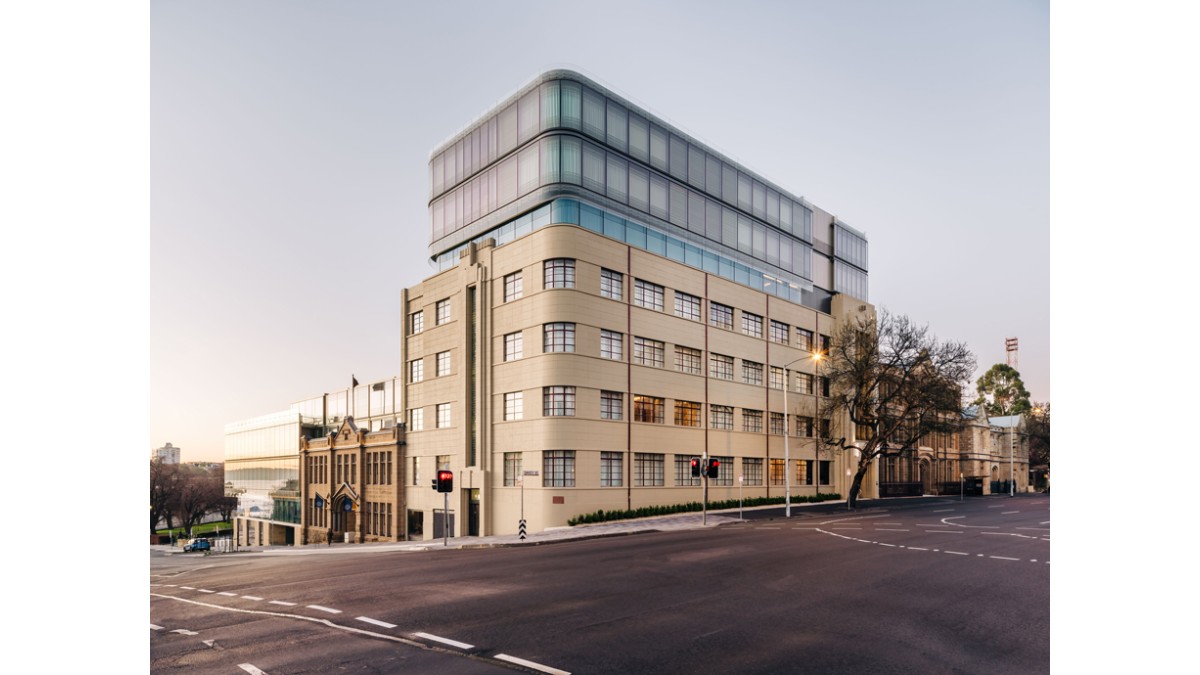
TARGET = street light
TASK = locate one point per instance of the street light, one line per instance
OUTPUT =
(787, 457)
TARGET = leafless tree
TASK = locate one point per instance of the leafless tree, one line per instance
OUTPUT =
(202, 492)
(166, 481)
(897, 383)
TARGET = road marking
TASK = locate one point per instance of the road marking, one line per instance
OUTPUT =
(153, 627)
(325, 609)
(914, 548)
(880, 529)
(232, 595)
(281, 602)
(883, 544)
(209, 643)
(942, 532)
(943, 511)
(763, 527)
(1001, 557)
(377, 622)
(184, 631)
(205, 590)
(1044, 523)
(531, 664)
(956, 553)
(251, 597)
(845, 527)
(452, 643)
(249, 668)
(1008, 513)
(187, 588)
(996, 506)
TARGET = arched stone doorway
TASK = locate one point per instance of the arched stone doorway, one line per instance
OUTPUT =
(344, 517)
(926, 473)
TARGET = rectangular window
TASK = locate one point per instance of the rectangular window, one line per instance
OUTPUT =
(825, 468)
(514, 405)
(720, 316)
(804, 426)
(687, 306)
(416, 470)
(720, 416)
(559, 273)
(779, 332)
(512, 468)
(443, 312)
(443, 363)
(803, 473)
(683, 471)
(513, 287)
(443, 415)
(648, 469)
(804, 383)
(688, 360)
(720, 366)
(648, 409)
(724, 471)
(823, 382)
(648, 295)
(804, 339)
(752, 324)
(611, 469)
(611, 284)
(558, 337)
(826, 343)
(558, 401)
(777, 425)
(776, 378)
(648, 352)
(416, 419)
(416, 370)
(558, 468)
(612, 405)
(777, 472)
(611, 345)
(752, 373)
(512, 346)
(687, 414)
(416, 322)
(752, 420)
(752, 470)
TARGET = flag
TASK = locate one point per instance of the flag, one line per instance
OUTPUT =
(353, 381)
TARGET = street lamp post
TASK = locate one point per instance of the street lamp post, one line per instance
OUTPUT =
(787, 458)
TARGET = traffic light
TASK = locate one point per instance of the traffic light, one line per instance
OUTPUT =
(714, 466)
(445, 481)
(696, 467)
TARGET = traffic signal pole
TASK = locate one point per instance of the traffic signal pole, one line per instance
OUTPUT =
(445, 519)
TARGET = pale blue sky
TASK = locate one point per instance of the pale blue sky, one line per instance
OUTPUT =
(289, 183)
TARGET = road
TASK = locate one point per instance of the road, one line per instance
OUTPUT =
(938, 587)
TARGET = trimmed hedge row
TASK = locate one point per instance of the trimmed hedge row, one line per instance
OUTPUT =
(602, 516)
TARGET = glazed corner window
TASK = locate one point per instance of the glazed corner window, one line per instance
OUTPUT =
(687, 306)
(720, 316)
(611, 284)
(559, 273)
(416, 322)
(558, 401)
(513, 286)
(558, 468)
(443, 312)
(648, 295)
(558, 337)
(610, 345)
(752, 324)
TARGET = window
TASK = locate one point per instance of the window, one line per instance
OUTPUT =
(720, 316)
(779, 332)
(611, 469)
(512, 468)
(825, 345)
(777, 425)
(611, 284)
(416, 370)
(514, 405)
(558, 401)
(803, 473)
(804, 427)
(687, 414)
(752, 420)
(416, 322)
(720, 416)
(724, 471)
(752, 470)
(648, 469)
(824, 467)
(688, 360)
(558, 468)
(804, 383)
(648, 409)
(443, 462)
(824, 427)
(512, 346)
(720, 366)
(512, 286)
(824, 383)
(683, 471)
(648, 295)
(443, 363)
(558, 337)
(610, 345)
(416, 470)
(776, 381)
(752, 373)
(559, 273)
(443, 415)
(687, 306)
(612, 405)
(777, 474)
(804, 339)
(443, 312)
(648, 352)
(751, 324)
(416, 419)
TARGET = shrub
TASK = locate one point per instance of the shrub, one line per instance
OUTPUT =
(602, 516)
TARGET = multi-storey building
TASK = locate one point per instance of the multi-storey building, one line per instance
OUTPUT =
(168, 454)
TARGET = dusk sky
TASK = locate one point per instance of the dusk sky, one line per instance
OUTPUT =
(289, 144)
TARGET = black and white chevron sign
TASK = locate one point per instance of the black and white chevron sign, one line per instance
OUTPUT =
(522, 529)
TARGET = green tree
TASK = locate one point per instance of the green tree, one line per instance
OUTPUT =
(1001, 391)
(1038, 428)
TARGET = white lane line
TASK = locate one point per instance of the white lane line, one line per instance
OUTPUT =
(956, 553)
(996, 506)
(324, 609)
(1046, 522)
(249, 668)
(377, 622)
(251, 597)
(883, 544)
(844, 527)
(880, 529)
(767, 528)
(943, 532)
(205, 590)
(914, 548)
(1008, 513)
(209, 643)
(187, 588)
(184, 631)
(531, 664)
(943, 511)
(153, 627)
(452, 643)
(281, 602)
(1001, 557)
(232, 595)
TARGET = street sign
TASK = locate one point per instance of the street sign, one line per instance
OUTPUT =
(529, 472)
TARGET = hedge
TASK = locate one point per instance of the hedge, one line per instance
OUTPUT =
(602, 516)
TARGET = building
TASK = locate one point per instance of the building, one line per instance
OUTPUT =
(613, 298)
(993, 451)
(168, 454)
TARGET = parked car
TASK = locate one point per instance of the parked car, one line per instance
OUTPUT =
(197, 545)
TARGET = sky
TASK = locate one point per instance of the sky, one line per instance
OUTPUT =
(289, 182)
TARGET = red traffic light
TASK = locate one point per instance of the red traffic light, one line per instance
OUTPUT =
(714, 466)
(696, 467)
(445, 481)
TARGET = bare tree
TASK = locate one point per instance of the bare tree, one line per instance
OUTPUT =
(166, 481)
(1038, 429)
(202, 493)
(896, 383)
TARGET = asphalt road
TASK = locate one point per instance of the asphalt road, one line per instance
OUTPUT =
(936, 587)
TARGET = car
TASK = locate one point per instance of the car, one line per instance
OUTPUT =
(197, 545)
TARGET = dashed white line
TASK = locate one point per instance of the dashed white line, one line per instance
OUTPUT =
(883, 544)
(324, 609)
(187, 588)
(531, 664)
(153, 627)
(377, 622)
(453, 643)
(1001, 557)
(281, 602)
(205, 590)
(942, 511)
(914, 548)
(184, 631)
(943, 532)
(251, 597)
(880, 529)
(1008, 513)
(232, 595)
(956, 553)
(249, 668)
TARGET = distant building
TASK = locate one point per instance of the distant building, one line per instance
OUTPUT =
(168, 454)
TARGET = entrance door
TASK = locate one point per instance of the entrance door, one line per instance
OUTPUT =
(926, 477)
(443, 524)
(473, 513)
